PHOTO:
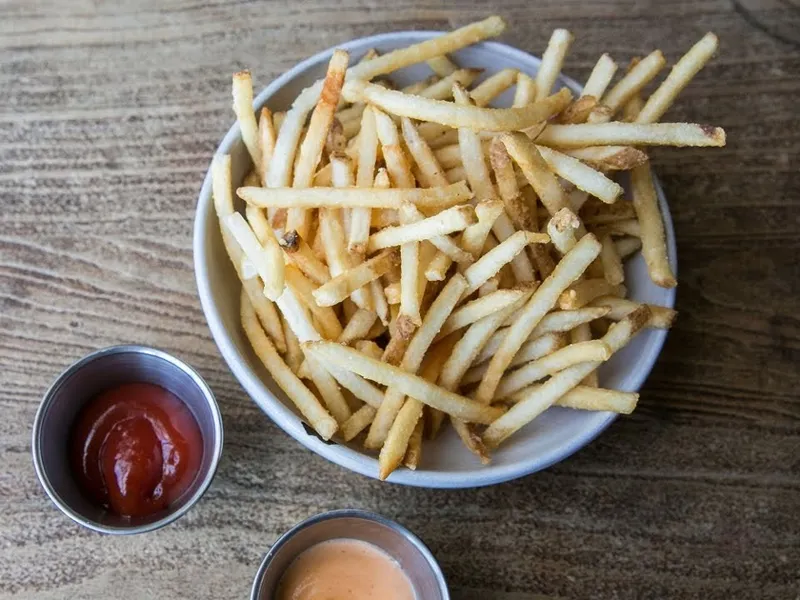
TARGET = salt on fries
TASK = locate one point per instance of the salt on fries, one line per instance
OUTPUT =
(415, 256)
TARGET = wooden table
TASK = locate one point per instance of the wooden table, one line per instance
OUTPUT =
(110, 113)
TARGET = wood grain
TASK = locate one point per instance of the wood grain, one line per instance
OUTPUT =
(109, 114)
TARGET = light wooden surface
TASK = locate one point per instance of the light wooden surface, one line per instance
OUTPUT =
(109, 114)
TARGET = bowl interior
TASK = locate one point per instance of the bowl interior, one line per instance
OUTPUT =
(87, 379)
(445, 462)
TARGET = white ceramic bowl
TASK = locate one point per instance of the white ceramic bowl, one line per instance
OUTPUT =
(446, 463)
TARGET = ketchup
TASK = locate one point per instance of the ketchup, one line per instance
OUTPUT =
(135, 449)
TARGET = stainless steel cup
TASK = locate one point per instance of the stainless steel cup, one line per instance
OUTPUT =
(398, 542)
(83, 381)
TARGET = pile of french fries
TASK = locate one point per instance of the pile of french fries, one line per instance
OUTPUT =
(413, 256)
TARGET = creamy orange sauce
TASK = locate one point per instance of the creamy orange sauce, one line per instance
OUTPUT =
(344, 569)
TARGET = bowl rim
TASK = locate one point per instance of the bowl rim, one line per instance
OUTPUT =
(47, 398)
(289, 421)
(350, 513)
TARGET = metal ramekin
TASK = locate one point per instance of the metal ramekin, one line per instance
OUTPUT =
(84, 380)
(398, 542)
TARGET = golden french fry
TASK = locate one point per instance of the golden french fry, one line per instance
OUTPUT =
(344, 284)
(609, 158)
(627, 246)
(491, 262)
(544, 298)
(294, 354)
(402, 329)
(268, 259)
(581, 175)
(441, 65)
(416, 386)
(631, 134)
(266, 312)
(439, 111)
(526, 90)
(443, 89)
(579, 110)
(360, 217)
(584, 397)
(267, 136)
(456, 218)
(430, 169)
(611, 261)
(393, 153)
(414, 451)
(379, 301)
(536, 171)
(661, 317)
(243, 107)
(532, 350)
(635, 79)
(357, 327)
(562, 229)
(654, 242)
(305, 401)
(586, 290)
(299, 253)
(336, 141)
(600, 213)
(552, 59)
(679, 77)
(541, 398)
(492, 87)
(600, 77)
(439, 197)
(357, 422)
(330, 327)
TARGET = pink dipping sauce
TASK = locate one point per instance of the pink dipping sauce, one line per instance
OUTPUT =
(344, 569)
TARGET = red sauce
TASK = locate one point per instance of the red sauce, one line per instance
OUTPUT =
(135, 449)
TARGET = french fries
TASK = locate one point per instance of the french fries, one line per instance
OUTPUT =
(419, 211)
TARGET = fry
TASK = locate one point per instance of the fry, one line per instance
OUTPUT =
(360, 217)
(242, 89)
(443, 89)
(612, 263)
(559, 360)
(552, 59)
(289, 132)
(430, 169)
(566, 272)
(493, 86)
(661, 317)
(439, 111)
(622, 227)
(654, 243)
(410, 294)
(266, 312)
(380, 302)
(533, 166)
(471, 343)
(294, 354)
(305, 401)
(402, 330)
(414, 385)
(299, 253)
(582, 176)
(393, 153)
(562, 229)
(266, 139)
(539, 399)
(412, 359)
(584, 291)
(268, 260)
(357, 422)
(579, 110)
(600, 213)
(440, 197)
(441, 65)
(635, 79)
(480, 308)
(357, 327)
(601, 76)
(584, 397)
(414, 450)
(627, 246)
(631, 134)
(526, 90)
(336, 140)
(679, 77)
(344, 284)
(452, 219)
(518, 210)
(397, 440)
(491, 262)
(303, 289)
(609, 158)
